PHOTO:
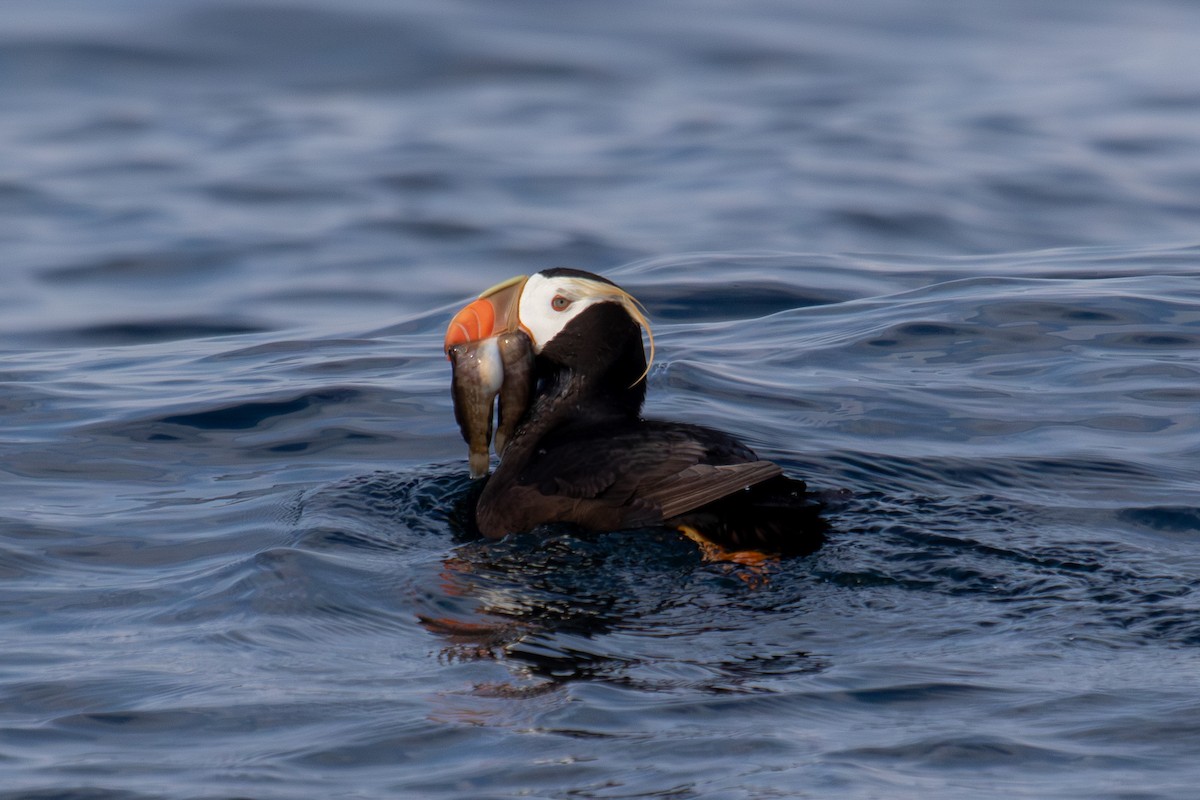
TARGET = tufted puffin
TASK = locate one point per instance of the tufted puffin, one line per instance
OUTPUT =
(582, 453)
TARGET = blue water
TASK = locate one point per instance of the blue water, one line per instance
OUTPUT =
(941, 257)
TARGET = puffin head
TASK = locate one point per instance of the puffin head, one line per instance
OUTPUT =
(574, 319)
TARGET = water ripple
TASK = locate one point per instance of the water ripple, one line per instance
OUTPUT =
(961, 300)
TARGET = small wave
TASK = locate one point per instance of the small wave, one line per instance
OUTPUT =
(149, 331)
(244, 415)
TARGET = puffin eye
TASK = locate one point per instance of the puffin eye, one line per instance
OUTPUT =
(560, 303)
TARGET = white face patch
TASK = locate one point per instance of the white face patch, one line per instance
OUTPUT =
(548, 304)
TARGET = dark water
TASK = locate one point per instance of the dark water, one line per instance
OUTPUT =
(943, 255)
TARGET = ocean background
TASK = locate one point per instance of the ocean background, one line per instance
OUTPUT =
(939, 257)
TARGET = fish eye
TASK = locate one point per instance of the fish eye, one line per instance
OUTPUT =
(560, 303)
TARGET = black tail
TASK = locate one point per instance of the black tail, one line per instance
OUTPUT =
(776, 516)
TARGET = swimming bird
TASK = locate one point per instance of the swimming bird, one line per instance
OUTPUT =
(583, 454)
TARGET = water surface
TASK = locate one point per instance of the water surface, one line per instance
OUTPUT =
(940, 257)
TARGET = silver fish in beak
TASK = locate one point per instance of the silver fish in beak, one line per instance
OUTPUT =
(488, 363)
(497, 367)
(478, 374)
(516, 388)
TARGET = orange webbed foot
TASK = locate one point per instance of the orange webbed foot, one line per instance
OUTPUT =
(755, 561)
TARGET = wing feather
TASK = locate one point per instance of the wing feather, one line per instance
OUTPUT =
(651, 469)
(702, 484)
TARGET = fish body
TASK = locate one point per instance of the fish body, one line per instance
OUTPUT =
(516, 388)
(498, 365)
(478, 374)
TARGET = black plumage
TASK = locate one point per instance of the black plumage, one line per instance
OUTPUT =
(583, 454)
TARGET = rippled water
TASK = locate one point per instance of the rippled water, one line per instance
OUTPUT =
(939, 257)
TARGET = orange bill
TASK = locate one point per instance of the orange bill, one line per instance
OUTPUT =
(495, 312)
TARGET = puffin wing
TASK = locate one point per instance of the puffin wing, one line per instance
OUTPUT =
(701, 484)
(655, 470)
